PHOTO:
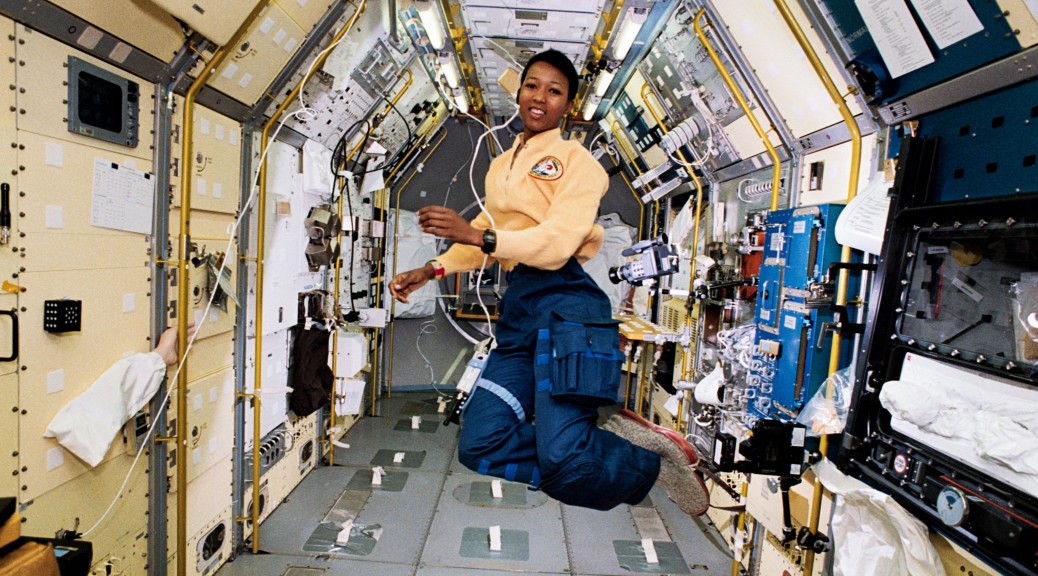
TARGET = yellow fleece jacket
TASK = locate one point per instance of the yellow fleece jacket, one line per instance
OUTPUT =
(544, 196)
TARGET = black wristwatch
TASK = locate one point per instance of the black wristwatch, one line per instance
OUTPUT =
(489, 241)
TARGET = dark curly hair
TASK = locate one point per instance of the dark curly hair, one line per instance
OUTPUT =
(559, 61)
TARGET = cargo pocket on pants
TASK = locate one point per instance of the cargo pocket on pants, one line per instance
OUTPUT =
(585, 359)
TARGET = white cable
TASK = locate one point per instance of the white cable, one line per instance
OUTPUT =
(171, 382)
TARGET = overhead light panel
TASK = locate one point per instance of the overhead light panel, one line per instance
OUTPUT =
(591, 107)
(449, 69)
(630, 25)
(605, 78)
(430, 18)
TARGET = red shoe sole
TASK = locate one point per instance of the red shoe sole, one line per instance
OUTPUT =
(671, 435)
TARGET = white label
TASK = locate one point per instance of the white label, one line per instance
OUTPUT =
(495, 538)
(246, 79)
(214, 394)
(967, 290)
(1032, 5)
(790, 321)
(280, 36)
(495, 489)
(936, 249)
(196, 456)
(290, 45)
(54, 155)
(416, 422)
(899, 40)
(55, 217)
(129, 302)
(213, 444)
(55, 458)
(798, 436)
(650, 551)
(230, 70)
(200, 187)
(217, 190)
(204, 126)
(765, 315)
(718, 447)
(398, 458)
(197, 401)
(948, 21)
(799, 226)
(55, 381)
(376, 475)
(266, 26)
(219, 132)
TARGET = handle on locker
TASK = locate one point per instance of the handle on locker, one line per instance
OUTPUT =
(14, 335)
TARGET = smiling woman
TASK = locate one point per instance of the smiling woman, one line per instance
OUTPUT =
(557, 357)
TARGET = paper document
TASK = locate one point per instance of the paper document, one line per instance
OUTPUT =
(863, 222)
(948, 21)
(899, 40)
(122, 197)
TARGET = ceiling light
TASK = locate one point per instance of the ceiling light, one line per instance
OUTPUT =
(630, 25)
(430, 17)
(605, 78)
(591, 107)
(449, 69)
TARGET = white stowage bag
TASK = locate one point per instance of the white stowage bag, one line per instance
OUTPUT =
(872, 534)
(87, 425)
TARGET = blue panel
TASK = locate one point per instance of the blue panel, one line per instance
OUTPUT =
(986, 147)
(788, 365)
(996, 41)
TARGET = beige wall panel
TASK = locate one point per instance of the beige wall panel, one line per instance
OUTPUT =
(9, 259)
(58, 183)
(43, 79)
(217, 530)
(217, 20)
(138, 22)
(210, 422)
(781, 65)
(745, 139)
(7, 345)
(274, 408)
(1021, 20)
(209, 494)
(957, 560)
(836, 169)
(270, 42)
(7, 72)
(210, 355)
(305, 13)
(210, 226)
(67, 252)
(216, 163)
(86, 498)
(9, 434)
(67, 364)
(216, 321)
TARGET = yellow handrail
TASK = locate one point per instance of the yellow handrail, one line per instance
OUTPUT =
(261, 206)
(183, 293)
(845, 255)
(776, 180)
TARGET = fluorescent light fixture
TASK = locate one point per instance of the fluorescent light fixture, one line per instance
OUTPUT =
(591, 106)
(430, 18)
(449, 69)
(461, 102)
(605, 78)
(630, 26)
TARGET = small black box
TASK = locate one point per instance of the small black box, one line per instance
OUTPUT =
(62, 315)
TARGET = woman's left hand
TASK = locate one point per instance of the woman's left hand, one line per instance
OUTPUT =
(447, 223)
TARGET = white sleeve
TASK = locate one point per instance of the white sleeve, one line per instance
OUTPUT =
(87, 425)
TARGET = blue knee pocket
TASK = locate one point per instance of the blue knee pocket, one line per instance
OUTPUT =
(580, 359)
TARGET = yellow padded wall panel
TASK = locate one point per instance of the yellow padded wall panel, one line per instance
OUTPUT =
(1021, 20)
(139, 23)
(58, 175)
(202, 558)
(836, 166)
(210, 422)
(745, 139)
(215, 168)
(9, 433)
(7, 72)
(42, 94)
(86, 498)
(9, 259)
(64, 365)
(208, 500)
(209, 355)
(305, 13)
(780, 63)
(270, 42)
(217, 20)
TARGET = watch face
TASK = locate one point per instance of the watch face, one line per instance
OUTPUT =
(952, 506)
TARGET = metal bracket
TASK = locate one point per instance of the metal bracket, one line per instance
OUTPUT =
(816, 542)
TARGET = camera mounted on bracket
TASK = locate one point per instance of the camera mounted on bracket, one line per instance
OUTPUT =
(657, 258)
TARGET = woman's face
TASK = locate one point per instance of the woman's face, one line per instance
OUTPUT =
(543, 98)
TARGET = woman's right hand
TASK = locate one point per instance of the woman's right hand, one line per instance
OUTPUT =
(403, 284)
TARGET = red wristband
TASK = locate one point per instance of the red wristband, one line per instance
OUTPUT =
(438, 271)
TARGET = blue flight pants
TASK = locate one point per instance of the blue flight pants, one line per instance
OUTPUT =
(518, 427)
